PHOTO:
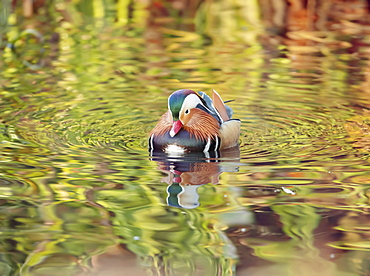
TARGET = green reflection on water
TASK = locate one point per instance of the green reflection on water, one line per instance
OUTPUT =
(80, 195)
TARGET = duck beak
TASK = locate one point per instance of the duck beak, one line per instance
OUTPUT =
(176, 126)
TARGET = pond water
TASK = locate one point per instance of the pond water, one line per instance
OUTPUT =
(80, 194)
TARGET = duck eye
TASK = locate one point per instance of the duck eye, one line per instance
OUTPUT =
(187, 111)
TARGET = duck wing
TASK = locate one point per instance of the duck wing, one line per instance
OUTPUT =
(229, 110)
(208, 106)
(220, 106)
(216, 106)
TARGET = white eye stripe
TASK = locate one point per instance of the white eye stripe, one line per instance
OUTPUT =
(191, 101)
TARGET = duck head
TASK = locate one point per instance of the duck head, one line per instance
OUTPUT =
(181, 105)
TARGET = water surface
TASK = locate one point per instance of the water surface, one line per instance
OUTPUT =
(80, 194)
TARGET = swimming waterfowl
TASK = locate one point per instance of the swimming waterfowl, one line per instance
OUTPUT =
(194, 123)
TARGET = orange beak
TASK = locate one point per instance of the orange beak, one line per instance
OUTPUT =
(176, 126)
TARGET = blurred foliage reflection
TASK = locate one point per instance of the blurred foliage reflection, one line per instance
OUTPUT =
(83, 82)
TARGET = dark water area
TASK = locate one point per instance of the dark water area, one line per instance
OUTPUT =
(80, 194)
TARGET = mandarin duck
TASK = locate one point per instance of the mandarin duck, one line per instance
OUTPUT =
(195, 123)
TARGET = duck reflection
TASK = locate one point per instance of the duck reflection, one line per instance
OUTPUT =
(185, 174)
